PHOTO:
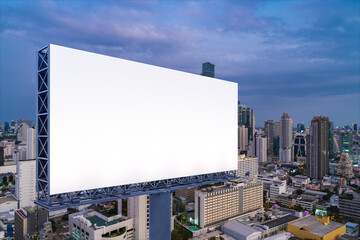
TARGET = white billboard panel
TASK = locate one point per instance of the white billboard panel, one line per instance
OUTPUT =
(115, 122)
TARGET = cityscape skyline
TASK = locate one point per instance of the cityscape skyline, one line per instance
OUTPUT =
(306, 67)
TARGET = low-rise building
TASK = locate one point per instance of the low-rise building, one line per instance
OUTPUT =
(247, 167)
(91, 225)
(275, 226)
(239, 231)
(300, 181)
(312, 227)
(349, 206)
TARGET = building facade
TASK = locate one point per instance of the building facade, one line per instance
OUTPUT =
(318, 153)
(25, 185)
(214, 205)
(286, 139)
(261, 149)
(246, 118)
(208, 69)
(247, 167)
(272, 131)
(243, 141)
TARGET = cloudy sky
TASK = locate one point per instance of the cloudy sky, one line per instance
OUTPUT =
(300, 57)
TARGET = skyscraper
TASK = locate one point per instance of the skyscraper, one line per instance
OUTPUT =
(331, 140)
(243, 138)
(345, 166)
(318, 152)
(208, 69)
(31, 144)
(272, 132)
(346, 142)
(261, 149)
(286, 138)
(246, 118)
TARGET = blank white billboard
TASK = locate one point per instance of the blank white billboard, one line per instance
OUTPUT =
(115, 122)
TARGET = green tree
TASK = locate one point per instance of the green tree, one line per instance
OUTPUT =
(299, 191)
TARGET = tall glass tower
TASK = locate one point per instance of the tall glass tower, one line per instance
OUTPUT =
(286, 139)
(208, 69)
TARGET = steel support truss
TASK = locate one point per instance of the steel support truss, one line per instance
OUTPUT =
(74, 199)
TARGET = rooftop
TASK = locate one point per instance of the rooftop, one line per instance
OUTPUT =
(280, 221)
(311, 224)
(100, 222)
(243, 229)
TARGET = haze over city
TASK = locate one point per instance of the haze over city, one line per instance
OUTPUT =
(300, 57)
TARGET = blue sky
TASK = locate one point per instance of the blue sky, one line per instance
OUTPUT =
(300, 57)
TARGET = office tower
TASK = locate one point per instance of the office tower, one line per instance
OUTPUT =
(25, 185)
(138, 209)
(272, 131)
(29, 220)
(354, 127)
(247, 167)
(300, 145)
(345, 167)
(246, 118)
(318, 154)
(31, 144)
(21, 134)
(331, 140)
(346, 142)
(261, 149)
(6, 127)
(208, 69)
(214, 205)
(300, 128)
(243, 140)
(286, 139)
(2, 156)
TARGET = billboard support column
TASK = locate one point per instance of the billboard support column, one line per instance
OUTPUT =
(160, 216)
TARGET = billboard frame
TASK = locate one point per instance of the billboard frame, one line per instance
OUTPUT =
(78, 198)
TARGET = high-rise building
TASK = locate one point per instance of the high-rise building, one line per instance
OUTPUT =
(318, 153)
(300, 127)
(208, 69)
(247, 167)
(286, 139)
(346, 142)
(21, 134)
(31, 144)
(25, 185)
(138, 209)
(354, 127)
(261, 149)
(246, 118)
(243, 141)
(214, 205)
(272, 131)
(300, 145)
(28, 220)
(345, 167)
(331, 140)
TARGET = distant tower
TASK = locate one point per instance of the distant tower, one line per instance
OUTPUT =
(31, 143)
(286, 138)
(261, 149)
(300, 128)
(243, 140)
(246, 117)
(331, 140)
(346, 142)
(208, 69)
(318, 152)
(272, 131)
(345, 166)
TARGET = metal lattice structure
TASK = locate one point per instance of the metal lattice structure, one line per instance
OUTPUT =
(74, 199)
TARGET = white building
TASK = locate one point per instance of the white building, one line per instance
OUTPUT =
(239, 231)
(243, 138)
(286, 139)
(300, 181)
(247, 167)
(137, 208)
(217, 204)
(261, 149)
(92, 225)
(25, 185)
(273, 186)
(31, 143)
(21, 134)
